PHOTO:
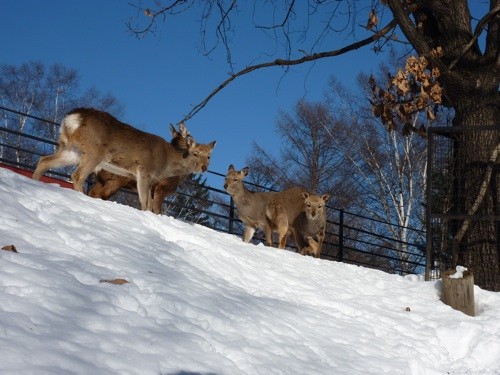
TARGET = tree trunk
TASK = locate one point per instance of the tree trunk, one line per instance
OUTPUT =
(478, 247)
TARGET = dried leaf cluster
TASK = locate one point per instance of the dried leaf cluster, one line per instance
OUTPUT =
(372, 20)
(408, 93)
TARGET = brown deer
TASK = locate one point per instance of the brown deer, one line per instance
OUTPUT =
(269, 211)
(107, 184)
(95, 140)
(309, 226)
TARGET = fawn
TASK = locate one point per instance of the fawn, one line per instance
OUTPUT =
(269, 211)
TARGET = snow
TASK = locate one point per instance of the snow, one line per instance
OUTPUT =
(459, 274)
(201, 302)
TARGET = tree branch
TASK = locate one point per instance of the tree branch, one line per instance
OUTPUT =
(154, 15)
(285, 20)
(409, 29)
(480, 196)
(479, 28)
(281, 62)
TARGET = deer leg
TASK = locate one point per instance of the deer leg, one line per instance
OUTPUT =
(87, 164)
(321, 238)
(282, 237)
(248, 233)
(162, 189)
(62, 158)
(97, 190)
(282, 224)
(268, 233)
(144, 190)
(297, 240)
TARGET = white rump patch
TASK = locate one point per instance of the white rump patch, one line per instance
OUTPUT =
(72, 122)
(70, 157)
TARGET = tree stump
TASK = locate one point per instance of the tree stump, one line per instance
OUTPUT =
(459, 293)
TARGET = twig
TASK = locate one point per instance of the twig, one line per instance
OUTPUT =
(281, 62)
(479, 199)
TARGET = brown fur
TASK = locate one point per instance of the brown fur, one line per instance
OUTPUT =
(269, 211)
(309, 226)
(95, 140)
(107, 184)
(312, 247)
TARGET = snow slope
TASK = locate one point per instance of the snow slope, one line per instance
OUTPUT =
(201, 302)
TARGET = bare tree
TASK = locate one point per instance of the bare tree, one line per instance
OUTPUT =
(32, 89)
(307, 157)
(19, 87)
(468, 74)
(390, 171)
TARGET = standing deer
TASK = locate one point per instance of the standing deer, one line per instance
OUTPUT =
(95, 140)
(269, 211)
(107, 184)
(309, 226)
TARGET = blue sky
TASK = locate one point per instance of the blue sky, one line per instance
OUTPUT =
(159, 78)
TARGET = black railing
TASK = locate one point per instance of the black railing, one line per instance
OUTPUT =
(350, 237)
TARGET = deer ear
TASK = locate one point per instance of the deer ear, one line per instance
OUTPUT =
(190, 142)
(305, 195)
(212, 144)
(183, 130)
(244, 171)
(231, 167)
(326, 197)
(172, 130)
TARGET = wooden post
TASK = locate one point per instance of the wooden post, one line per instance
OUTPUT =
(459, 293)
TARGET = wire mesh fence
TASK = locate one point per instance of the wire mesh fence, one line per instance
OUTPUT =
(462, 190)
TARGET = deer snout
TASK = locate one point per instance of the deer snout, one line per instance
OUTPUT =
(225, 186)
(204, 168)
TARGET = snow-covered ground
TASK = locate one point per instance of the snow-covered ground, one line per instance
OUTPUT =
(201, 302)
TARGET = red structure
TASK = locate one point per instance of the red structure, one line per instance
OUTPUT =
(24, 172)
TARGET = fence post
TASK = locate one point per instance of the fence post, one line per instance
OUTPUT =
(341, 235)
(231, 215)
(428, 211)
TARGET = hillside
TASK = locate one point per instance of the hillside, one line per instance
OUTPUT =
(201, 302)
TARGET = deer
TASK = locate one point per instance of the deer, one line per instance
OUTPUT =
(269, 211)
(309, 226)
(107, 184)
(95, 140)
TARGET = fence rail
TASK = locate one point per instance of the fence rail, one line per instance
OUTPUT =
(350, 237)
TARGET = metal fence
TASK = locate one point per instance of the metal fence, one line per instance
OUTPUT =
(350, 237)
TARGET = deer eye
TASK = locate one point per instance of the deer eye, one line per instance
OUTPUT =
(195, 154)
(236, 179)
(320, 205)
(308, 204)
